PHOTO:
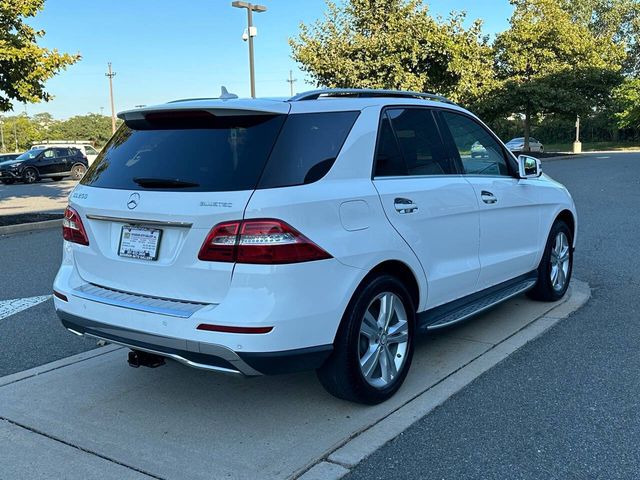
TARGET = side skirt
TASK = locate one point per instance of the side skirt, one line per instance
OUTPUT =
(466, 307)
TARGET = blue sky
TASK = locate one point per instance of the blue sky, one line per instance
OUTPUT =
(163, 50)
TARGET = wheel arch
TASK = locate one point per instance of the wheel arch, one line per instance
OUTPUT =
(567, 217)
(401, 271)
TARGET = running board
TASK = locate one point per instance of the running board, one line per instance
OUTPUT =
(459, 310)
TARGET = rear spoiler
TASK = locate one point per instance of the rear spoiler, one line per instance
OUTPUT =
(218, 108)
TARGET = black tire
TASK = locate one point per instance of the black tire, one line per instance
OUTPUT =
(341, 375)
(78, 171)
(545, 290)
(8, 181)
(30, 175)
(57, 179)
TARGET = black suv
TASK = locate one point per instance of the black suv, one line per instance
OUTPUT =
(55, 163)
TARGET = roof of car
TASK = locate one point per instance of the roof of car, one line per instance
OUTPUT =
(308, 102)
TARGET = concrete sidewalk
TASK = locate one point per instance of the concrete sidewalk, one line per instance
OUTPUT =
(92, 416)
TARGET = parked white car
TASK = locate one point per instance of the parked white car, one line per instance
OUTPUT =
(322, 232)
(517, 145)
(85, 147)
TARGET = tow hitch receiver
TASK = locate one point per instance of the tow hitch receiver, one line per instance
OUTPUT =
(144, 359)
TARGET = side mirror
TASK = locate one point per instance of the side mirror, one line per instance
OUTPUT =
(529, 167)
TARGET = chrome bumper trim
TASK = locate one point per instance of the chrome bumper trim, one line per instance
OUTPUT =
(170, 347)
(140, 221)
(143, 303)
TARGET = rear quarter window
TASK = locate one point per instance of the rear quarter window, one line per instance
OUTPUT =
(307, 148)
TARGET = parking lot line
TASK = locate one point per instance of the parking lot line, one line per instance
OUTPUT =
(11, 307)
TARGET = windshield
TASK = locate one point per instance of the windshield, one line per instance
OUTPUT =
(29, 154)
(520, 139)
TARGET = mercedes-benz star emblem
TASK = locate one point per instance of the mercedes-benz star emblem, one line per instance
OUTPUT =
(134, 199)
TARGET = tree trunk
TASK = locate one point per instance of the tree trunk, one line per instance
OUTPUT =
(527, 130)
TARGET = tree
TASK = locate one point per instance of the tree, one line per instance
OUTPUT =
(93, 127)
(616, 19)
(548, 63)
(25, 66)
(395, 44)
(627, 101)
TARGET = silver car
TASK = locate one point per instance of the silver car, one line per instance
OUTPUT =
(517, 145)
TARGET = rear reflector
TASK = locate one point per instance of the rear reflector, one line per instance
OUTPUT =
(228, 329)
(60, 296)
(260, 241)
(73, 229)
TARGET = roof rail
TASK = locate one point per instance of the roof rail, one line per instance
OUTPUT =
(366, 93)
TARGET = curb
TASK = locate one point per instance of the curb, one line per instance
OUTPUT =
(30, 227)
(64, 362)
(338, 462)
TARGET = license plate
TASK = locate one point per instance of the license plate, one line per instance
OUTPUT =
(139, 242)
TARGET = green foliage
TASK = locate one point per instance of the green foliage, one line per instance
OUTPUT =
(42, 126)
(395, 44)
(627, 103)
(25, 66)
(616, 19)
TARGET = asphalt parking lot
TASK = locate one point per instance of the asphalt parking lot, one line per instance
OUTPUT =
(564, 406)
(44, 196)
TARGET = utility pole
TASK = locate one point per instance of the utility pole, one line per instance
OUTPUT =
(15, 133)
(291, 81)
(111, 74)
(4, 148)
(251, 32)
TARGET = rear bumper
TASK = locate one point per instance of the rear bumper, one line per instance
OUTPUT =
(205, 356)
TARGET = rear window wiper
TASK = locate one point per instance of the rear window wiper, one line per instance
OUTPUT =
(164, 183)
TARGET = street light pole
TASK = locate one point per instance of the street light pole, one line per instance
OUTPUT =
(577, 145)
(251, 33)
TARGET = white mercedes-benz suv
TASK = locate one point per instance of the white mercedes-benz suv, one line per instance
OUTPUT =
(321, 232)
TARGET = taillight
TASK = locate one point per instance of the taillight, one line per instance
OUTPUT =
(263, 241)
(72, 228)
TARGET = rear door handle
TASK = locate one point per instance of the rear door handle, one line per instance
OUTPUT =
(404, 205)
(488, 197)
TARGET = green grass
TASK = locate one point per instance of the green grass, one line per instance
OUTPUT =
(594, 146)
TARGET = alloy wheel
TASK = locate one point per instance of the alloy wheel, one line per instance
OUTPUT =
(77, 172)
(560, 262)
(383, 340)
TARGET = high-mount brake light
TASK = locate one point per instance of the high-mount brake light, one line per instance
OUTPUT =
(73, 229)
(259, 241)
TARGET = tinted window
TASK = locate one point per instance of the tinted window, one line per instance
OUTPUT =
(389, 161)
(307, 148)
(479, 152)
(418, 140)
(200, 152)
(61, 152)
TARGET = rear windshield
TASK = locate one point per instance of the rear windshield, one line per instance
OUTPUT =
(214, 154)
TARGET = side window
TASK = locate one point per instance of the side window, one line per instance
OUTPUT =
(90, 150)
(480, 153)
(307, 148)
(389, 161)
(49, 153)
(410, 145)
